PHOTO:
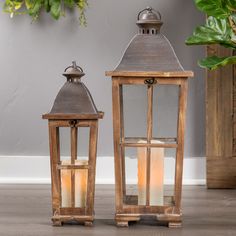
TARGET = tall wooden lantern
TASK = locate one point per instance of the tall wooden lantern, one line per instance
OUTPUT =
(149, 60)
(73, 180)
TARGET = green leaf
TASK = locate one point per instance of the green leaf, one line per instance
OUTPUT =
(215, 62)
(12, 6)
(69, 3)
(231, 4)
(18, 5)
(216, 8)
(82, 4)
(55, 9)
(216, 31)
(29, 4)
(46, 5)
(35, 9)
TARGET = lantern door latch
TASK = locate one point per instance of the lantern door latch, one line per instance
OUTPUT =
(150, 81)
(72, 123)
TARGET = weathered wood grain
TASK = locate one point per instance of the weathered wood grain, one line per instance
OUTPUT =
(126, 211)
(221, 163)
(174, 74)
(61, 214)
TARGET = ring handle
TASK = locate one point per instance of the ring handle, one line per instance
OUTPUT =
(74, 66)
(149, 9)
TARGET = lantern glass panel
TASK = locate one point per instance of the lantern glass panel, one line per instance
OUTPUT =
(165, 110)
(74, 181)
(83, 143)
(135, 119)
(64, 143)
(80, 187)
(162, 174)
(169, 171)
(131, 176)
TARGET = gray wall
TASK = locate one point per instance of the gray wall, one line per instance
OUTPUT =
(33, 56)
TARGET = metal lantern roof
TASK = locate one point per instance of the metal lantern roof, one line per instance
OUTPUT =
(74, 100)
(149, 52)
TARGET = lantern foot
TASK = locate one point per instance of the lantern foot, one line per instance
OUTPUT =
(88, 223)
(175, 224)
(122, 220)
(56, 222)
(122, 223)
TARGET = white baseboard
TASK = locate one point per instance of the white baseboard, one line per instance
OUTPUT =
(98, 181)
(10, 180)
(36, 170)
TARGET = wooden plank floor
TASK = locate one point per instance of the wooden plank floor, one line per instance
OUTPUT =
(25, 210)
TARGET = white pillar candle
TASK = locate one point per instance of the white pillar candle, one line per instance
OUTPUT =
(142, 175)
(65, 185)
(81, 176)
(156, 175)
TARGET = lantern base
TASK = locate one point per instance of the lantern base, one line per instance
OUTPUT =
(59, 220)
(122, 220)
(171, 220)
(56, 222)
(175, 225)
(122, 223)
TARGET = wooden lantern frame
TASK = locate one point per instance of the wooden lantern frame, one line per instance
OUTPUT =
(125, 212)
(73, 108)
(64, 214)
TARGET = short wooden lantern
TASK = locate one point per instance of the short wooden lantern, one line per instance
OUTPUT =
(73, 181)
(149, 60)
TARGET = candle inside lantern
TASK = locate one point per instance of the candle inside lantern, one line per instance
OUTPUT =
(65, 185)
(81, 176)
(156, 175)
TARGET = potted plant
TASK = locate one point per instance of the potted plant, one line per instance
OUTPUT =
(220, 28)
(56, 8)
(219, 34)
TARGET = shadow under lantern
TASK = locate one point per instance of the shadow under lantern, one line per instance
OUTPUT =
(149, 60)
(73, 180)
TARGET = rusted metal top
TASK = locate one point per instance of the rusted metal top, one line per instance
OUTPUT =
(149, 21)
(149, 51)
(74, 100)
